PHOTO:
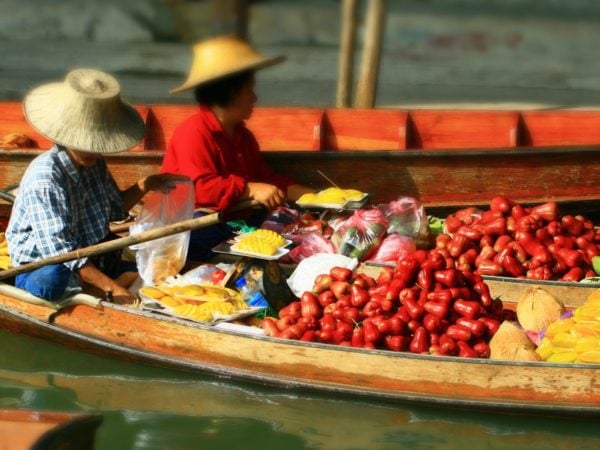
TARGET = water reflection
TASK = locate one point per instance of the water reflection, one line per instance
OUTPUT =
(149, 408)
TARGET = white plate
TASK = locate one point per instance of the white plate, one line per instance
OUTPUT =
(280, 252)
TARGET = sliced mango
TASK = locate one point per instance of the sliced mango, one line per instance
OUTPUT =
(563, 357)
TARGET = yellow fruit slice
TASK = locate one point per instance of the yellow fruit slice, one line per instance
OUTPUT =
(545, 349)
(152, 292)
(563, 357)
(256, 245)
(171, 301)
(592, 356)
(353, 194)
(308, 198)
(270, 236)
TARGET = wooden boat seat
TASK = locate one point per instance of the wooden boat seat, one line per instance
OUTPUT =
(364, 129)
(161, 121)
(436, 129)
(287, 129)
(547, 128)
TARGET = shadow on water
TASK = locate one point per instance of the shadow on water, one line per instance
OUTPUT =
(150, 408)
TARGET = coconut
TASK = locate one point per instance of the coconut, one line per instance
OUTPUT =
(537, 309)
(511, 343)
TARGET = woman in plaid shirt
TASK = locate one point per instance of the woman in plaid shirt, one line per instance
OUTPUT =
(67, 196)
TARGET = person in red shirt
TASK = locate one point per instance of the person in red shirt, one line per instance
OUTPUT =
(214, 148)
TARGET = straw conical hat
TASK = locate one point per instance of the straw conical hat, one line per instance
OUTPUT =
(84, 112)
(220, 57)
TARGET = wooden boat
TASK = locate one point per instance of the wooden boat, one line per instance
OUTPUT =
(444, 158)
(22, 429)
(142, 336)
(527, 156)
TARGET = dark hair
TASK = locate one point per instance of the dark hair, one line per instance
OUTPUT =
(222, 92)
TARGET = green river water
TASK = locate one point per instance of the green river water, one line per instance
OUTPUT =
(148, 408)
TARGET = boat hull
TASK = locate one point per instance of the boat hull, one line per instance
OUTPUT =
(564, 389)
(22, 429)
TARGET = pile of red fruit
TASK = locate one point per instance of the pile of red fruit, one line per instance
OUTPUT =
(516, 241)
(421, 306)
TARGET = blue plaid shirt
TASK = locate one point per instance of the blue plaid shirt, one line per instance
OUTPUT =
(60, 208)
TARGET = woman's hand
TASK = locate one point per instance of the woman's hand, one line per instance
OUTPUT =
(267, 194)
(163, 182)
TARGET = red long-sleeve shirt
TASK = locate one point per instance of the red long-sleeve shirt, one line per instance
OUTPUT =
(219, 165)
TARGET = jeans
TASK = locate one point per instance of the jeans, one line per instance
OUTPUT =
(202, 240)
(57, 281)
(51, 282)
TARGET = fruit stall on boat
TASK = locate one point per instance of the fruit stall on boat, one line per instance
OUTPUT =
(358, 349)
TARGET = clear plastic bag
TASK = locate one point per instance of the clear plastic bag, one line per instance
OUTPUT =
(162, 258)
(407, 217)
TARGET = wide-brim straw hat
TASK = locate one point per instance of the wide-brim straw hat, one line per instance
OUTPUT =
(220, 57)
(85, 112)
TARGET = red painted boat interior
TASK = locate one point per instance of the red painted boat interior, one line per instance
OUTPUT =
(314, 129)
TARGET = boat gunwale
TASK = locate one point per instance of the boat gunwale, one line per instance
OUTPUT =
(324, 346)
(183, 364)
(283, 153)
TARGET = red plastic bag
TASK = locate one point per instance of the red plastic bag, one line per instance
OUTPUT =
(361, 234)
(308, 244)
(393, 248)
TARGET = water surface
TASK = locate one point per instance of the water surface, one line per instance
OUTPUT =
(149, 408)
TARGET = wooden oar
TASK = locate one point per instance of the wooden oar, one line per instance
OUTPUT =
(115, 244)
(119, 243)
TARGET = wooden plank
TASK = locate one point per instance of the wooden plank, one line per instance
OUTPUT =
(287, 129)
(439, 129)
(364, 129)
(547, 128)
(161, 122)
(453, 178)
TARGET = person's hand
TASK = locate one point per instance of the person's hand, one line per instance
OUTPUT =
(163, 182)
(267, 194)
(122, 296)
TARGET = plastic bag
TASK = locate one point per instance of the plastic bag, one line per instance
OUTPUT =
(308, 245)
(361, 234)
(394, 247)
(404, 215)
(162, 258)
(407, 217)
(279, 218)
(303, 277)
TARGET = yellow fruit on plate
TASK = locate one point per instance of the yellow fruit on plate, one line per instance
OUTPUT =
(171, 301)
(353, 194)
(254, 244)
(270, 236)
(308, 198)
(152, 292)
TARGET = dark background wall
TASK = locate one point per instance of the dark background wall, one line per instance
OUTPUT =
(464, 53)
